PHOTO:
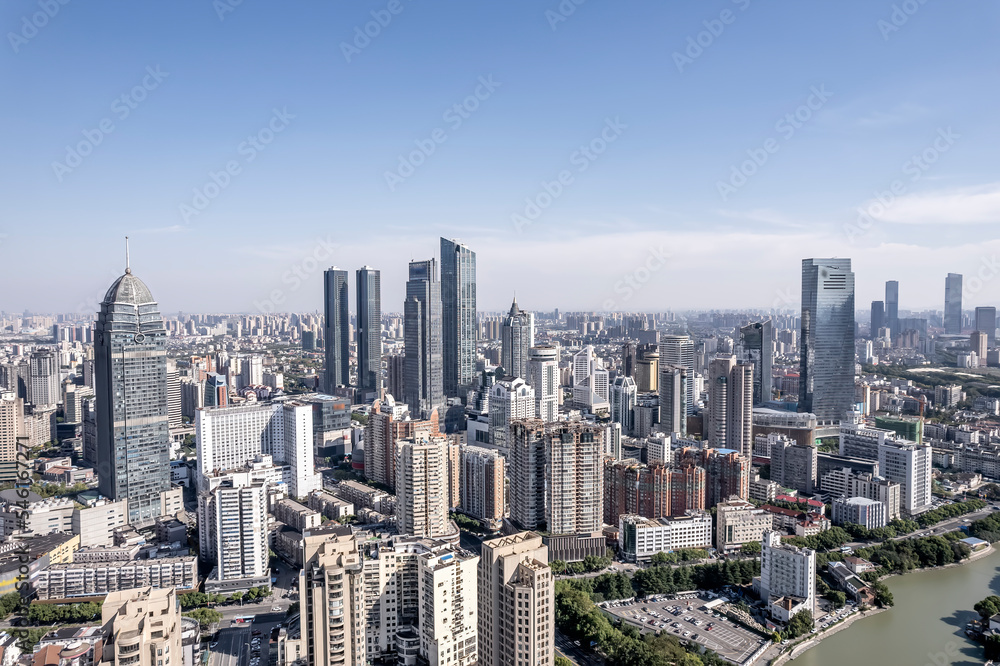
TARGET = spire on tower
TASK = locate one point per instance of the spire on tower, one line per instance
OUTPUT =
(128, 268)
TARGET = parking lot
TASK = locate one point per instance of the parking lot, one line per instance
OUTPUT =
(687, 620)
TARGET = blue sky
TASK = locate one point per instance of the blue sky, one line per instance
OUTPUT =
(332, 114)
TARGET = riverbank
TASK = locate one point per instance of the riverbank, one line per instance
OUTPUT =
(817, 638)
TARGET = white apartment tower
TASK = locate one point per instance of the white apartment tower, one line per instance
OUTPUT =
(422, 487)
(543, 377)
(234, 530)
(510, 399)
(787, 578)
(909, 465)
(449, 622)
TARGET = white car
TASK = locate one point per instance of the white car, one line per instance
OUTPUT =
(276, 609)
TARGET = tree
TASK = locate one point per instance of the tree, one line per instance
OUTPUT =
(562, 661)
(883, 597)
(205, 616)
(801, 623)
(9, 603)
(988, 607)
(837, 597)
(750, 548)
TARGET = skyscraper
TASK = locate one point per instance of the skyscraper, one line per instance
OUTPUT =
(369, 333)
(422, 487)
(510, 399)
(892, 306)
(679, 350)
(953, 304)
(133, 444)
(986, 321)
(336, 330)
(730, 405)
(673, 394)
(826, 375)
(515, 342)
(423, 386)
(878, 317)
(459, 326)
(543, 377)
(757, 349)
(623, 401)
(43, 383)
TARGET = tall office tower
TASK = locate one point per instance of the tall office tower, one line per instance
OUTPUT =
(892, 306)
(979, 344)
(11, 427)
(133, 444)
(459, 326)
(449, 614)
(510, 399)
(673, 393)
(216, 393)
(543, 378)
(423, 386)
(787, 578)
(422, 487)
(826, 370)
(679, 350)
(878, 318)
(623, 401)
(369, 334)
(630, 354)
(515, 341)
(175, 417)
(43, 384)
(575, 479)
(483, 473)
(591, 385)
(647, 369)
(336, 330)
(986, 322)
(332, 598)
(233, 535)
(953, 304)
(141, 626)
(516, 603)
(527, 473)
(909, 465)
(395, 370)
(757, 349)
(716, 415)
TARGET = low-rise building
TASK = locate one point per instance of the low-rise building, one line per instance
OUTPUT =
(859, 511)
(739, 522)
(640, 538)
(296, 515)
(82, 580)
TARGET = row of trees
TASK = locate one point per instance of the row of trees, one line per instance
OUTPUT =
(682, 555)
(200, 599)
(205, 616)
(987, 529)
(952, 510)
(589, 563)
(666, 580)
(49, 613)
(908, 554)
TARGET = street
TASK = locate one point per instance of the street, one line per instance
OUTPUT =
(577, 655)
(233, 648)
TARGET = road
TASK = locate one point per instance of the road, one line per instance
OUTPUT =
(577, 655)
(233, 648)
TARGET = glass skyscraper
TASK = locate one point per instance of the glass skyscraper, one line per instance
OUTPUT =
(459, 326)
(826, 375)
(515, 341)
(336, 330)
(892, 307)
(369, 334)
(953, 304)
(986, 321)
(678, 350)
(130, 376)
(756, 348)
(423, 386)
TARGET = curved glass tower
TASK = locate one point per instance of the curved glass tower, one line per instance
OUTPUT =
(130, 376)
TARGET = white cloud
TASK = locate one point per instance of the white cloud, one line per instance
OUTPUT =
(966, 205)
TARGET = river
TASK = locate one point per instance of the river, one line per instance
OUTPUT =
(925, 627)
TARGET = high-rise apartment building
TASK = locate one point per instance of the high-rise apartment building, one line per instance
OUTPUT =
(909, 465)
(727, 472)
(459, 325)
(369, 331)
(787, 582)
(576, 480)
(515, 341)
(336, 330)
(43, 378)
(979, 344)
(729, 419)
(175, 416)
(142, 627)
(678, 350)
(794, 465)
(233, 535)
(422, 487)
(673, 394)
(543, 378)
(527, 473)
(11, 427)
(826, 372)
(449, 613)
(423, 386)
(516, 602)
(388, 423)
(332, 598)
(953, 304)
(133, 443)
(623, 402)
(757, 349)
(511, 398)
(986, 322)
(482, 485)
